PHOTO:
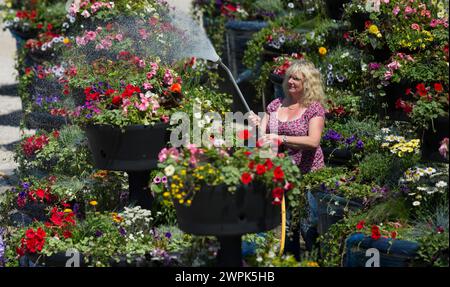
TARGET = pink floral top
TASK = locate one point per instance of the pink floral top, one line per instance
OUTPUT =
(306, 160)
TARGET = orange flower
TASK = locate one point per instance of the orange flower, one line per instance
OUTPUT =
(175, 88)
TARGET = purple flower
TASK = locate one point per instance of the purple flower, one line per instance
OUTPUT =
(164, 179)
(168, 235)
(38, 100)
(374, 66)
(22, 194)
(157, 179)
(360, 144)
(98, 233)
(25, 185)
(350, 140)
(2, 249)
(332, 135)
(122, 231)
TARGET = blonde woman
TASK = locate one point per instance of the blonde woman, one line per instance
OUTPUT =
(297, 121)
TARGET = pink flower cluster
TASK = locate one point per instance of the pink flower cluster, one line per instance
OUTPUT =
(166, 153)
(74, 9)
(154, 69)
(104, 44)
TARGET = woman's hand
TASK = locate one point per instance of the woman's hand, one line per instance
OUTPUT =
(254, 119)
(271, 139)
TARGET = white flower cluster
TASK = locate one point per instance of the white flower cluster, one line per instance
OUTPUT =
(136, 219)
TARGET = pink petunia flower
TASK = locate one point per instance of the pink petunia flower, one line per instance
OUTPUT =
(396, 10)
(148, 86)
(86, 14)
(415, 26)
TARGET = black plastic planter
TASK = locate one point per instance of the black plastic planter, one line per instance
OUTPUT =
(335, 8)
(392, 253)
(337, 157)
(134, 150)
(331, 209)
(238, 33)
(216, 211)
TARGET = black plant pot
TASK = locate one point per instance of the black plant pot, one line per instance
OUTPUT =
(238, 33)
(335, 8)
(331, 209)
(335, 156)
(431, 140)
(216, 211)
(135, 151)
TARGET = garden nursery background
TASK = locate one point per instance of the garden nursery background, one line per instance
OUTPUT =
(88, 89)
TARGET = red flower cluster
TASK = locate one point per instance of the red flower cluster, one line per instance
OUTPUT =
(24, 14)
(405, 106)
(262, 169)
(34, 143)
(34, 241)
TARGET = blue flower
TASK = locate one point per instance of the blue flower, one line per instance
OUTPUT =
(168, 235)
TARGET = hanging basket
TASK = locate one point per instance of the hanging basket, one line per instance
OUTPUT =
(217, 211)
(134, 149)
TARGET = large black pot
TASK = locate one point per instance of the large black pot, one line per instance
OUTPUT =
(335, 8)
(134, 149)
(331, 208)
(334, 156)
(216, 211)
(238, 33)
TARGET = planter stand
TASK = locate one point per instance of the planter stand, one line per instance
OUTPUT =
(230, 253)
(139, 192)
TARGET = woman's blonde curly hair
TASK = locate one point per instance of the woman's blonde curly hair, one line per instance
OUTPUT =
(312, 83)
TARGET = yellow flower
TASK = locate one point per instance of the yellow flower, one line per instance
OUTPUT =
(67, 210)
(373, 29)
(93, 202)
(66, 40)
(166, 194)
(323, 51)
(188, 202)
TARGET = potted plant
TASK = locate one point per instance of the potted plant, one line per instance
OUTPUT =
(226, 193)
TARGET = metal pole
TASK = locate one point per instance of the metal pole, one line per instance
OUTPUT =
(235, 85)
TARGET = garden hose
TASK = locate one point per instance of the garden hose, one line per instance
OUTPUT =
(283, 225)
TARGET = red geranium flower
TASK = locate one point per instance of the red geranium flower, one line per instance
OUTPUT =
(269, 164)
(278, 173)
(360, 225)
(421, 89)
(277, 194)
(251, 165)
(246, 178)
(116, 100)
(376, 232)
(438, 87)
(260, 169)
